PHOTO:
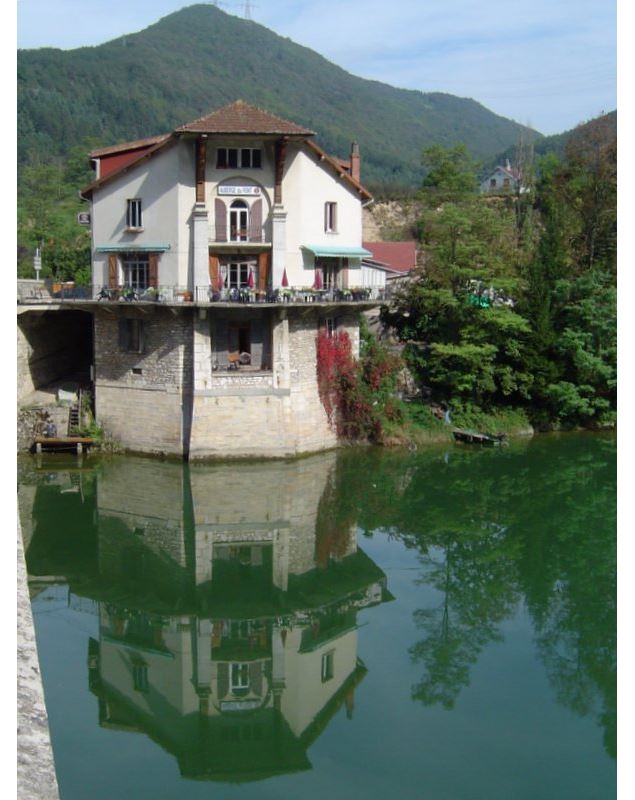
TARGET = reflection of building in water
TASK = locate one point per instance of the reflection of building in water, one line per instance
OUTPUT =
(228, 614)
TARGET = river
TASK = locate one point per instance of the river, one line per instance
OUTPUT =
(362, 623)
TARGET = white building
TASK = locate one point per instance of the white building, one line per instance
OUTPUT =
(236, 199)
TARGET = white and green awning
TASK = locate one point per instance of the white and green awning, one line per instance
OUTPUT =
(336, 251)
(132, 248)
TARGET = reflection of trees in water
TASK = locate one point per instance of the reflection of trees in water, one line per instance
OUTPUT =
(536, 519)
(474, 572)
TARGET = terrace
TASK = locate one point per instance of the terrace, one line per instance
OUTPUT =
(32, 292)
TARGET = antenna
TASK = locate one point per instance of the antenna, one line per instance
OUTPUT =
(248, 6)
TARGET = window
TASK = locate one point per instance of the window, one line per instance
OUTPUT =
(506, 182)
(492, 183)
(131, 335)
(237, 274)
(327, 666)
(238, 221)
(140, 677)
(136, 270)
(238, 158)
(239, 677)
(330, 326)
(133, 214)
(330, 217)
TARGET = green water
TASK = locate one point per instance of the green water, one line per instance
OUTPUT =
(370, 623)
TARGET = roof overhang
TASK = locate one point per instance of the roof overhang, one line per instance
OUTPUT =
(336, 251)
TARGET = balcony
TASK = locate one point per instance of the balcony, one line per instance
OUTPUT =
(46, 293)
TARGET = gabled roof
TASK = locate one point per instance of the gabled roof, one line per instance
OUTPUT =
(337, 166)
(240, 117)
(125, 147)
(399, 256)
(235, 118)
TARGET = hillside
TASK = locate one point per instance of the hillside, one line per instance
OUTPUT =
(200, 58)
(548, 144)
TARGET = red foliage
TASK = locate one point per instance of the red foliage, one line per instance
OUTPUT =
(341, 390)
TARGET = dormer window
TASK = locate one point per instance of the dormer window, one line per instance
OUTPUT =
(133, 214)
(238, 158)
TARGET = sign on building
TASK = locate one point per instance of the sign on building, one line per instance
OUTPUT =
(249, 191)
(83, 218)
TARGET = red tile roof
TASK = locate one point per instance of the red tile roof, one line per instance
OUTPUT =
(125, 146)
(240, 117)
(400, 256)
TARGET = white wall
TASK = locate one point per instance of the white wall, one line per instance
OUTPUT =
(307, 185)
(156, 182)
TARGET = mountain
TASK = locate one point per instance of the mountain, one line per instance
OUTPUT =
(201, 58)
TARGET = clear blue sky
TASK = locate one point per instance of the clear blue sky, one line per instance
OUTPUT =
(549, 63)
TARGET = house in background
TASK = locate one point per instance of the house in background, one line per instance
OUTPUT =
(390, 262)
(502, 180)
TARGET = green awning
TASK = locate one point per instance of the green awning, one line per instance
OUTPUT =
(132, 248)
(336, 251)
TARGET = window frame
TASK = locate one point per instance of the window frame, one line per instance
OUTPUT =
(237, 157)
(139, 262)
(242, 684)
(134, 214)
(330, 216)
(131, 335)
(327, 670)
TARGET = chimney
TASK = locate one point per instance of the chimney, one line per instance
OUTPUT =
(355, 161)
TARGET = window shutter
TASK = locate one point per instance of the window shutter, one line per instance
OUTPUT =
(223, 680)
(123, 334)
(113, 272)
(255, 222)
(213, 272)
(220, 341)
(256, 343)
(264, 260)
(220, 218)
(335, 216)
(344, 274)
(255, 677)
(153, 270)
(326, 216)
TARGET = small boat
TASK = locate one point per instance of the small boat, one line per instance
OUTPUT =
(473, 437)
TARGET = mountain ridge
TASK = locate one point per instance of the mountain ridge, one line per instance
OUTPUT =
(200, 58)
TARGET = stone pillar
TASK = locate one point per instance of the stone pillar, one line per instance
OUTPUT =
(200, 224)
(202, 351)
(278, 682)
(281, 367)
(203, 656)
(279, 236)
(281, 559)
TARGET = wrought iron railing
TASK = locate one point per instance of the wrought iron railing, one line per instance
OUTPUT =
(31, 292)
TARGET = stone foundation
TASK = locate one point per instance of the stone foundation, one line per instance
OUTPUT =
(159, 388)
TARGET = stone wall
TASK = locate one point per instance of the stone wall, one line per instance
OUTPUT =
(168, 399)
(139, 396)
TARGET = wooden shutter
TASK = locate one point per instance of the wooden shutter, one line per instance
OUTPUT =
(214, 272)
(344, 274)
(123, 334)
(255, 677)
(257, 341)
(220, 220)
(220, 340)
(113, 272)
(153, 270)
(255, 222)
(264, 260)
(223, 680)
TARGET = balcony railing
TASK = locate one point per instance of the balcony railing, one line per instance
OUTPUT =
(36, 293)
